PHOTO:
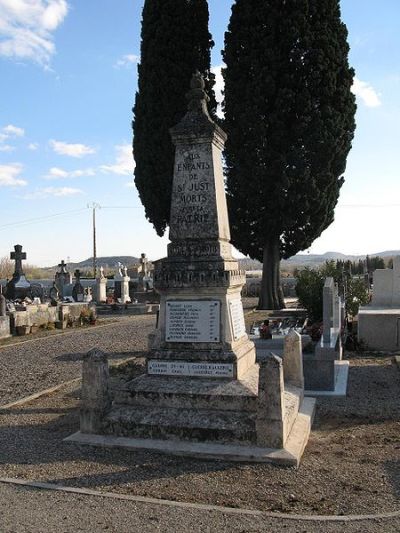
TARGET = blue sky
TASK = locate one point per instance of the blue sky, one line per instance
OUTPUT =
(68, 71)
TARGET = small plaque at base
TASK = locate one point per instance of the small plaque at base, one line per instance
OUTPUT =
(183, 368)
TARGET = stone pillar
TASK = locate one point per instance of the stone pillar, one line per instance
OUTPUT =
(95, 398)
(125, 298)
(293, 360)
(101, 290)
(270, 404)
(328, 309)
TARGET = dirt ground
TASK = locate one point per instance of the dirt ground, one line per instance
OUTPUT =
(351, 464)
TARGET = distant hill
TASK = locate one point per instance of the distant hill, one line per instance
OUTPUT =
(309, 259)
(312, 260)
(245, 263)
(106, 262)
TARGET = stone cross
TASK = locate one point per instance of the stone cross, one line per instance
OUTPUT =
(102, 276)
(63, 267)
(18, 256)
(144, 264)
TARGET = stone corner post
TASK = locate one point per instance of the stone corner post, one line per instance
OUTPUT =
(271, 404)
(293, 359)
(95, 397)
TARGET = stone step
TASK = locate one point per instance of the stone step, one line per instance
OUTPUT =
(212, 394)
(198, 425)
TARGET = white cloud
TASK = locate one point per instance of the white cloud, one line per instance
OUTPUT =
(9, 132)
(6, 147)
(56, 173)
(124, 164)
(46, 192)
(127, 61)
(33, 146)
(366, 93)
(13, 131)
(9, 175)
(130, 185)
(72, 150)
(219, 87)
(26, 28)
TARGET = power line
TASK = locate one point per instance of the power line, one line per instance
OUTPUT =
(38, 219)
(63, 213)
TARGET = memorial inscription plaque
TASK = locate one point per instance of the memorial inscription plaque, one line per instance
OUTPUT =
(237, 318)
(193, 321)
(182, 368)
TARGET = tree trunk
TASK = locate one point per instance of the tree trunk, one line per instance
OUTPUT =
(271, 295)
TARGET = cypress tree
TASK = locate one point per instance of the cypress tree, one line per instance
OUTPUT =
(175, 43)
(289, 115)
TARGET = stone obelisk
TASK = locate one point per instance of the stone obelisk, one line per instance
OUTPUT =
(201, 330)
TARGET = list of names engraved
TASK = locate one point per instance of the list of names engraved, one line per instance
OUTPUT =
(192, 321)
(237, 318)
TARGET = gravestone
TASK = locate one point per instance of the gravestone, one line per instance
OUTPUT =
(143, 272)
(63, 278)
(203, 394)
(320, 368)
(121, 284)
(18, 288)
(54, 293)
(78, 291)
(379, 322)
(101, 287)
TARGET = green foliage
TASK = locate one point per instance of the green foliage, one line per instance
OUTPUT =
(356, 295)
(309, 287)
(310, 283)
(175, 43)
(289, 116)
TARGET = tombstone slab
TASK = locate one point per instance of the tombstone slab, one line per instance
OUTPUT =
(379, 322)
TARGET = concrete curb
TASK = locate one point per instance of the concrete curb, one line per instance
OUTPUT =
(37, 395)
(197, 506)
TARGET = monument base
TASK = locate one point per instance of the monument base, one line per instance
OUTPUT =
(203, 417)
(289, 455)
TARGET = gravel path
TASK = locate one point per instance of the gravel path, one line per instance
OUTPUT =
(39, 363)
(350, 466)
(24, 510)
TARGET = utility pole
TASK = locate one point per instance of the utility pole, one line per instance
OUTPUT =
(94, 206)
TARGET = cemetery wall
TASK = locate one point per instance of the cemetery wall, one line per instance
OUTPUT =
(35, 316)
